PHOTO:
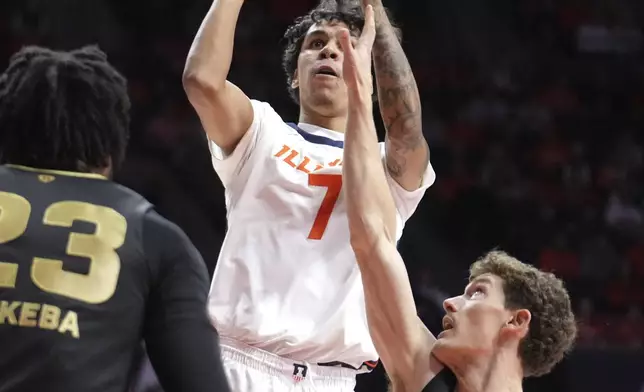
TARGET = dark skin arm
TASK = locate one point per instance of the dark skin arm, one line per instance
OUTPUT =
(407, 153)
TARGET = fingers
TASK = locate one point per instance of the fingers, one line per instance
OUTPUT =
(347, 47)
(374, 3)
(369, 30)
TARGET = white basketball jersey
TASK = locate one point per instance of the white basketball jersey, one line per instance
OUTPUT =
(286, 280)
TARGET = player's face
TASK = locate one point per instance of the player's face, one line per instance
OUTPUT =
(474, 321)
(319, 70)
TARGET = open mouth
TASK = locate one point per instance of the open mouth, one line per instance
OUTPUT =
(326, 70)
(448, 323)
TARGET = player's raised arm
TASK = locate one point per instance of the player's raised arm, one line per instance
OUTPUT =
(224, 110)
(407, 153)
(402, 341)
(182, 344)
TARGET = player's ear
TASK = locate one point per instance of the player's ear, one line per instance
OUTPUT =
(295, 82)
(519, 323)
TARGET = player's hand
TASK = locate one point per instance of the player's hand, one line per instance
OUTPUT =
(376, 4)
(356, 66)
(379, 11)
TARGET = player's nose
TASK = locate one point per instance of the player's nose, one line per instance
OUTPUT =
(330, 51)
(451, 304)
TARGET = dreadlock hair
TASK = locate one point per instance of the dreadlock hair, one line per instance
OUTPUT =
(63, 110)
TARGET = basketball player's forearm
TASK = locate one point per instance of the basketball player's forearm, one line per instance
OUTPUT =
(407, 151)
(402, 341)
(370, 206)
(211, 52)
(391, 313)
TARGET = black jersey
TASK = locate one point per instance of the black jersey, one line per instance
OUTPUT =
(88, 269)
(445, 381)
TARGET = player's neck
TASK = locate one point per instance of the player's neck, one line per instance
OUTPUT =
(103, 171)
(500, 372)
(338, 124)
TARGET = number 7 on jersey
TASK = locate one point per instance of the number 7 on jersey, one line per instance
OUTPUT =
(333, 183)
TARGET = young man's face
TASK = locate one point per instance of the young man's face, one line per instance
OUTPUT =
(319, 70)
(473, 321)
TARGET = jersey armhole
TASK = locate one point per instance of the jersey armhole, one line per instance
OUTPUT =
(406, 201)
(219, 155)
(229, 166)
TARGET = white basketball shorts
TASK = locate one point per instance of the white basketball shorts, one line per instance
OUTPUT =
(253, 370)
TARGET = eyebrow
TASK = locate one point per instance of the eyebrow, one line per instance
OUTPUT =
(482, 279)
(317, 33)
(320, 32)
(479, 280)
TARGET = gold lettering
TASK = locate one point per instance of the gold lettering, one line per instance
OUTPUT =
(99, 284)
(43, 316)
(49, 317)
(8, 273)
(8, 312)
(70, 324)
(14, 217)
(28, 314)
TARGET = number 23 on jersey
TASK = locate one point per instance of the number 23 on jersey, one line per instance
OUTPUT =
(95, 287)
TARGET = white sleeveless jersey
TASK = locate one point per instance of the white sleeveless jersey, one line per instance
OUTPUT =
(287, 280)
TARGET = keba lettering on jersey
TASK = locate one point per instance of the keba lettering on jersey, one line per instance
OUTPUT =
(49, 275)
(43, 316)
(76, 256)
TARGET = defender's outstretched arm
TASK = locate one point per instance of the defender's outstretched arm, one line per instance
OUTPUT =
(403, 342)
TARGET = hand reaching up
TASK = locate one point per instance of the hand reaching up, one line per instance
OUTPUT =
(356, 66)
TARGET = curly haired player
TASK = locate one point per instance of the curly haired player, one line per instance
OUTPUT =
(512, 321)
(286, 295)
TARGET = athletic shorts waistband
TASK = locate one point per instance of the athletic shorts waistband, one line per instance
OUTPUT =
(272, 364)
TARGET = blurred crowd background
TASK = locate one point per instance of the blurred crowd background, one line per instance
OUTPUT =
(533, 109)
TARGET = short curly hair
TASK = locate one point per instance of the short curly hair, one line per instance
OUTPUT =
(348, 12)
(553, 328)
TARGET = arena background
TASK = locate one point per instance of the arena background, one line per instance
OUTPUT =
(533, 109)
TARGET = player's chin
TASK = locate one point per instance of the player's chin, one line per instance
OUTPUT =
(327, 96)
(446, 350)
(325, 88)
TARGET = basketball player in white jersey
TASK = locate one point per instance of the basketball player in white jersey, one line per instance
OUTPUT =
(512, 321)
(286, 296)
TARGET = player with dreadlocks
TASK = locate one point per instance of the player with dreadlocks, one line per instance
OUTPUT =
(287, 295)
(88, 268)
